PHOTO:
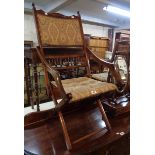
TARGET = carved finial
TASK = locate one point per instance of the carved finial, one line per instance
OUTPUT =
(78, 13)
(33, 5)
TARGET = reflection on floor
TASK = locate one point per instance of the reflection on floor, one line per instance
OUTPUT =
(48, 138)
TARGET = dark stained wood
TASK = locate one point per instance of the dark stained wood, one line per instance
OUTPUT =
(121, 105)
(66, 134)
(48, 139)
(117, 106)
(35, 119)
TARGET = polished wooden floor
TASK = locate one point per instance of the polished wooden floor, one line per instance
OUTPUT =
(48, 139)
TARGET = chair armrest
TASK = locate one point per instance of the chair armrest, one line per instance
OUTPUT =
(112, 69)
(57, 80)
(99, 60)
(107, 64)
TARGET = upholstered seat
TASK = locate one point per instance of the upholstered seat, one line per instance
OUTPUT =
(100, 76)
(84, 87)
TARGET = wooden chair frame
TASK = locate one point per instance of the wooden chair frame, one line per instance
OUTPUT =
(65, 98)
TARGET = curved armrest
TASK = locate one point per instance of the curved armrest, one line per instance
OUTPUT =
(99, 60)
(111, 67)
(57, 82)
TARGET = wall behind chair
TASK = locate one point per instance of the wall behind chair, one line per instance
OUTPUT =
(30, 30)
(95, 30)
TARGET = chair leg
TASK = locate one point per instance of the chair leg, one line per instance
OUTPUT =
(104, 116)
(66, 135)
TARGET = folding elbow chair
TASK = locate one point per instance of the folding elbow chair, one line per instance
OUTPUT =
(62, 47)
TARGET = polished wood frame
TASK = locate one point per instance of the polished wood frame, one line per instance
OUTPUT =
(65, 98)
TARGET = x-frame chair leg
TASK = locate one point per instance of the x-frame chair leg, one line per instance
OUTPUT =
(65, 132)
(104, 116)
(67, 139)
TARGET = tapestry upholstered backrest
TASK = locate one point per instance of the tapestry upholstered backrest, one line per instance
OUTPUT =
(58, 30)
